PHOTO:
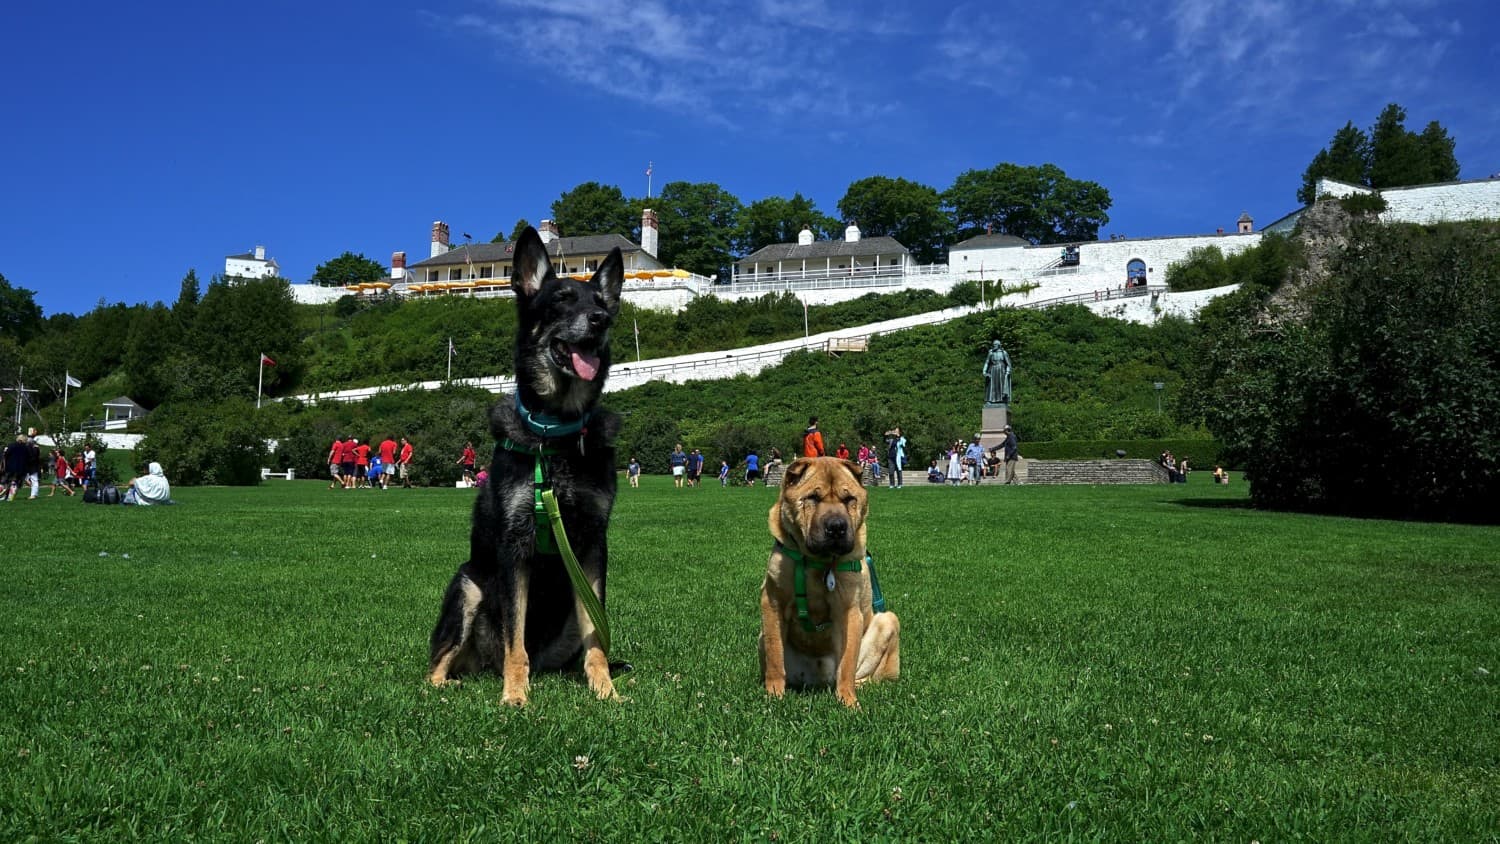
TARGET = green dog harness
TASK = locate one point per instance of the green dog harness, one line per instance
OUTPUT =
(552, 538)
(799, 583)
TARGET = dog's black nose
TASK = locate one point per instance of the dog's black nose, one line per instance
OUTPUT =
(836, 528)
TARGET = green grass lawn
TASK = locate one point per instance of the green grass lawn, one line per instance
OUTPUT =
(1150, 663)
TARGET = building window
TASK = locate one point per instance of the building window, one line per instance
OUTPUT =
(505, 271)
(590, 265)
(456, 274)
(487, 271)
(432, 275)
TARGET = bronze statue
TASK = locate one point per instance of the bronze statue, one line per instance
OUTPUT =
(997, 376)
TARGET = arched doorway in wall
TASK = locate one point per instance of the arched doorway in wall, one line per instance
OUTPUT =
(1135, 273)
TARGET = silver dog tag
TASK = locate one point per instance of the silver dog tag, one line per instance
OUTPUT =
(829, 581)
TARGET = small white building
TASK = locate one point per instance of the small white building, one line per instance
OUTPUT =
(808, 259)
(253, 264)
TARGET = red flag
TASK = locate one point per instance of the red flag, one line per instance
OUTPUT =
(266, 361)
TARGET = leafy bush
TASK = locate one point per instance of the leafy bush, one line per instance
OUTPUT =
(1264, 265)
(223, 443)
(1363, 204)
(1384, 400)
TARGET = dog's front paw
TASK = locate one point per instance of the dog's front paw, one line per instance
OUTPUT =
(514, 698)
(848, 699)
(776, 688)
(603, 688)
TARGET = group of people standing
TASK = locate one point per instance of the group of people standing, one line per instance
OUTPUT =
(23, 468)
(356, 465)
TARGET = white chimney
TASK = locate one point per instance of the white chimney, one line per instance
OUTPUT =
(648, 232)
(439, 238)
(548, 230)
(851, 234)
(260, 253)
(1246, 223)
(398, 265)
(805, 237)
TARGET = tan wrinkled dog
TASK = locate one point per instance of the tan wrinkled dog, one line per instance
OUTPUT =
(841, 642)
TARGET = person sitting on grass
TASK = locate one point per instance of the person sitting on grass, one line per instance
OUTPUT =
(149, 489)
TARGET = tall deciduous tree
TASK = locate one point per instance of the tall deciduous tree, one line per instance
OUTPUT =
(239, 321)
(910, 212)
(1041, 204)
(698, 223)
(777, 219)
(592, 208)
(20, 316)
(347, 269)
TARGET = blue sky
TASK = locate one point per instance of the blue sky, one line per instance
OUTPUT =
(146, 139)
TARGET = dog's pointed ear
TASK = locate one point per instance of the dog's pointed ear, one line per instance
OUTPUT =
(609, 278)
(794, 471)
(531, 264)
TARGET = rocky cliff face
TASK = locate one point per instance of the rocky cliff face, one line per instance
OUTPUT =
(1323, 234)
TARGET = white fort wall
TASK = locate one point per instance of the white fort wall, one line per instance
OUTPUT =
(1443, 203)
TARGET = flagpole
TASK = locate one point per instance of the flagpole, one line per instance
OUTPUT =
(260, 378)
(450, 358)
(67, 378)
(637, 324)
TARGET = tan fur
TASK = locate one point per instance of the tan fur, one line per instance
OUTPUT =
(858, 646)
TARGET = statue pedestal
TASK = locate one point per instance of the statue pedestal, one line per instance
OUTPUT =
(992, 425)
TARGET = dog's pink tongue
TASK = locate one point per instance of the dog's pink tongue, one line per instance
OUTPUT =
(585, 364)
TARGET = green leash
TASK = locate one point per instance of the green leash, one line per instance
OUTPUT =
(799, 584)
(552, 538)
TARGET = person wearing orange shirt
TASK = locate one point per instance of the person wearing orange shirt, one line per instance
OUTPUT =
(812, 439)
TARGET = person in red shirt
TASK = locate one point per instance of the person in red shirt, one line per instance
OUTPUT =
(842, 453)
(361, 463)
(346, 461)
(812, 440)
(404, 463)
(387, 461)
(335, 457)
(61, 472)
(467, 461)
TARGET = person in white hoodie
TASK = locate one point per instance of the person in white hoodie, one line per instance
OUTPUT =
(148, 489)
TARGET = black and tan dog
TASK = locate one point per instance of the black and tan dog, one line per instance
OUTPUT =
(511, 607)
(818, 623)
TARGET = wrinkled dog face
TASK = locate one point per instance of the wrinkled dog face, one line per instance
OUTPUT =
(563, 348)
(823, 503)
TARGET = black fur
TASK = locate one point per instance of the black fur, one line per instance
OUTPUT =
(562, 324)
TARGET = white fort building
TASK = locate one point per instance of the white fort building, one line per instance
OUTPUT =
(822, 272)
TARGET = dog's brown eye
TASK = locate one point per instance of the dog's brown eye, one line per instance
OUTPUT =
(813, 498)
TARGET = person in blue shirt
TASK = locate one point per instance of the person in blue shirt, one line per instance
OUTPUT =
(752, 468)
(974, 460)
(678, 461)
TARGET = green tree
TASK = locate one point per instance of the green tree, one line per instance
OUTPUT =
(1379, 393)
(1345, 159)
(911, 213)
(1388, 156)
(777, 219)
(1041, 204)
(154, 336)
(20, 316)
(345, 270)
(515, 232)
(1437, 148)
(1397, 156)
(698, 221)
(240, 320)
(592, 208)
(186, 306)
